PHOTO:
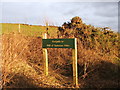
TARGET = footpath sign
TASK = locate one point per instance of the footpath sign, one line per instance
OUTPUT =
(58, 43)
(61, 43)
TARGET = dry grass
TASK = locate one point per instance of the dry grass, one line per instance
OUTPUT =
(22, 65)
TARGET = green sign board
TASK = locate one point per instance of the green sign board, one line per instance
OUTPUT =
(58, 43)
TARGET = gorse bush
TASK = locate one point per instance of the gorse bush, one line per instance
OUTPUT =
(97, 48)
(102, 39)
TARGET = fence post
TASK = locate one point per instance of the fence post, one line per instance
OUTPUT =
(19, 28)
(75, 70)
(45, 57)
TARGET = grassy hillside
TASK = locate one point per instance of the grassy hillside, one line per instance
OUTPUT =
(22, 57)
(29, 30)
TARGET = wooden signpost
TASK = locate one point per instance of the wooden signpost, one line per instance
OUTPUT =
(45, 57)
(75, 70)
(61, 43)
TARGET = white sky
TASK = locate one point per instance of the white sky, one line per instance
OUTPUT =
(59, 0)
(56, 12)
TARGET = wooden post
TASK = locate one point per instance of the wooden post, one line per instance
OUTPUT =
(47, 27)
(19, 28)
(75, 70)
(45, 57)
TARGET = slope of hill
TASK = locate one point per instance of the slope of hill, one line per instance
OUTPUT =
(29, 30)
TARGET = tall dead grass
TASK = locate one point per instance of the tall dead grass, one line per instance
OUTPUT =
(13, 52)
(22, 65)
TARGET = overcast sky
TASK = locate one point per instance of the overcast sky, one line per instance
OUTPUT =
(99, 14)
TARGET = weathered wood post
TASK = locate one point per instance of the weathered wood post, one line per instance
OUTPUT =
(75, 70)
(19, 28)
(45, 57)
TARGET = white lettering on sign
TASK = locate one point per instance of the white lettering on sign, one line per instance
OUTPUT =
(57, 41)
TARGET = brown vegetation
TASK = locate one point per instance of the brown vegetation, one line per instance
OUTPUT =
(98, 60)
